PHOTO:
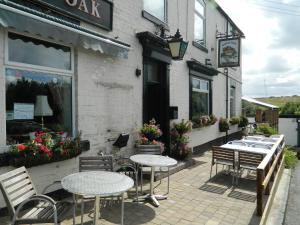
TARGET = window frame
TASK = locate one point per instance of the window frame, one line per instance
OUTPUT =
(209, 91)
(36, 68)
(149, 16)
(203, 17)
(233, 98)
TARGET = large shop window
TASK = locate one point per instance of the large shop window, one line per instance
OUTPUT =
(199, 23)
(34, 95)
(156, 8)
(200, 97)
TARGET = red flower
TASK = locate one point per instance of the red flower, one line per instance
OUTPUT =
(61, 143)
(21, 147)
(38, 140)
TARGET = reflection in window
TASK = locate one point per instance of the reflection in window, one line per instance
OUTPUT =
(200, 98)
(22, 89)
(156, 8)
(199, 23)
(32, 51)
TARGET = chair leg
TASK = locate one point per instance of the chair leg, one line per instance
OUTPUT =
(216, 168)
(82, 210)
(122, 210)
(211, 166)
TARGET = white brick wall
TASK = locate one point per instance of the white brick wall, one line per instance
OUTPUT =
(109, 95)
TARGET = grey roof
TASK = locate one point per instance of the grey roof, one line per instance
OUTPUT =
(256, 102)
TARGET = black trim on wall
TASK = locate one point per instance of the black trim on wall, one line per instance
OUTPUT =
(201, 68)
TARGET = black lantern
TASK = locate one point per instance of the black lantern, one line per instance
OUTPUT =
(177, 46)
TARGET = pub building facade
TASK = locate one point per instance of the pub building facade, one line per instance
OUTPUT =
(101, 67)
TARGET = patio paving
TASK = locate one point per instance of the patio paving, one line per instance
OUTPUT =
(193, 199)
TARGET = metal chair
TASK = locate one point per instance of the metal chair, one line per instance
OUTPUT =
(224, 157)
(153, 150)
(249, 161)
(18, 190)
(94, 163)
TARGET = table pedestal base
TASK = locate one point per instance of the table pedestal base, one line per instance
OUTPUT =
(152, 198)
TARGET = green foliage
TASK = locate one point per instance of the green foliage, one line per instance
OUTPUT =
(249, 109)
(223, 125)
(266, 129)
(290, 108)
(179, 139)
(290, 158)
(243, 121)
(234, 120)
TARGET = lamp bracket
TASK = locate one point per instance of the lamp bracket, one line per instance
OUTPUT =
(220, 35)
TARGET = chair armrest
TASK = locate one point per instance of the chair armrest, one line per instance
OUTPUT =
(54, 182)
(34, 198)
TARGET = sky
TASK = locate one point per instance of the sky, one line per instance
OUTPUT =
(271, 49)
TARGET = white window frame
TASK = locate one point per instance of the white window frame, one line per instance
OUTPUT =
(43, 69)
(203, 17)
(233, 101)
(199, 90)
(165, 12)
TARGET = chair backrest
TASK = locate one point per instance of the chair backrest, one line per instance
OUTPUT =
(149, 149)
(222, 154)
(249, 159)
(96, 163)
(16, 187)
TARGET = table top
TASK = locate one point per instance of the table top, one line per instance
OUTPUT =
(153, 160)
(97, 183)
(246, 149)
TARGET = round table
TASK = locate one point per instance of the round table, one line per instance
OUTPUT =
(153, 161)
(98, 184)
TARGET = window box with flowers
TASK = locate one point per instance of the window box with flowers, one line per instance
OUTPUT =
(204, 121)
(149, 136)
(44, 148)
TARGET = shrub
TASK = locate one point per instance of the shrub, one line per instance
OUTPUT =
(243, 121)
(180, 139)
(265, 129)
(223, 125)
(290, 158)
(204, 121)
(234, 120)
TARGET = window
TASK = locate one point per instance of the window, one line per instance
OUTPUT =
(156, 8)
(27, 50)
(232, 101)
(199, 23)
(200, 105)
(35, 95)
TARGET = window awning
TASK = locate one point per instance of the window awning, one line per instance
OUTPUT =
(23, 19)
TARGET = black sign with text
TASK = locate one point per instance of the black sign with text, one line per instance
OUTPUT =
(97, 12)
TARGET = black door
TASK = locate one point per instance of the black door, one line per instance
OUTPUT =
(156, 95)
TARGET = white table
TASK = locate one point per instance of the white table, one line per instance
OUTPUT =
(98, 184)
(153, 161)
(246, 149)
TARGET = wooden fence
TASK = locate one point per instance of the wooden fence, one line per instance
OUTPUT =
(268, 173)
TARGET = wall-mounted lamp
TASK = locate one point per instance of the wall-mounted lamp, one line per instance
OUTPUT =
(176, 44)
(138, 72)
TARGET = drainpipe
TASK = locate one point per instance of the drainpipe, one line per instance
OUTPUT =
(226, 74)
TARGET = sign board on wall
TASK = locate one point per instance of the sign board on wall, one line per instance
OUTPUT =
(97, 12)
(229, 52)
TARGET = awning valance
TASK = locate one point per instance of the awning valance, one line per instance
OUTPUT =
(23, 19)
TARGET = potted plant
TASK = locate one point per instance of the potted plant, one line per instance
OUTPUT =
(243, 124)
(234, 120)
(44, 148)
(179, 139)
(223, 125)
(149, 136)
(204, 121)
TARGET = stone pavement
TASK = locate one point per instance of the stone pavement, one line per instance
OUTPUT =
(292, 216)
(193, 199)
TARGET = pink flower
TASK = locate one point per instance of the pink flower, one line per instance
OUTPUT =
(38, 140)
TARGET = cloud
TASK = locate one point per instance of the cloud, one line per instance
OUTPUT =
(271, 50)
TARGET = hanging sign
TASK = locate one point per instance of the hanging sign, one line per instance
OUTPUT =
(229, 52)
(97, 12)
